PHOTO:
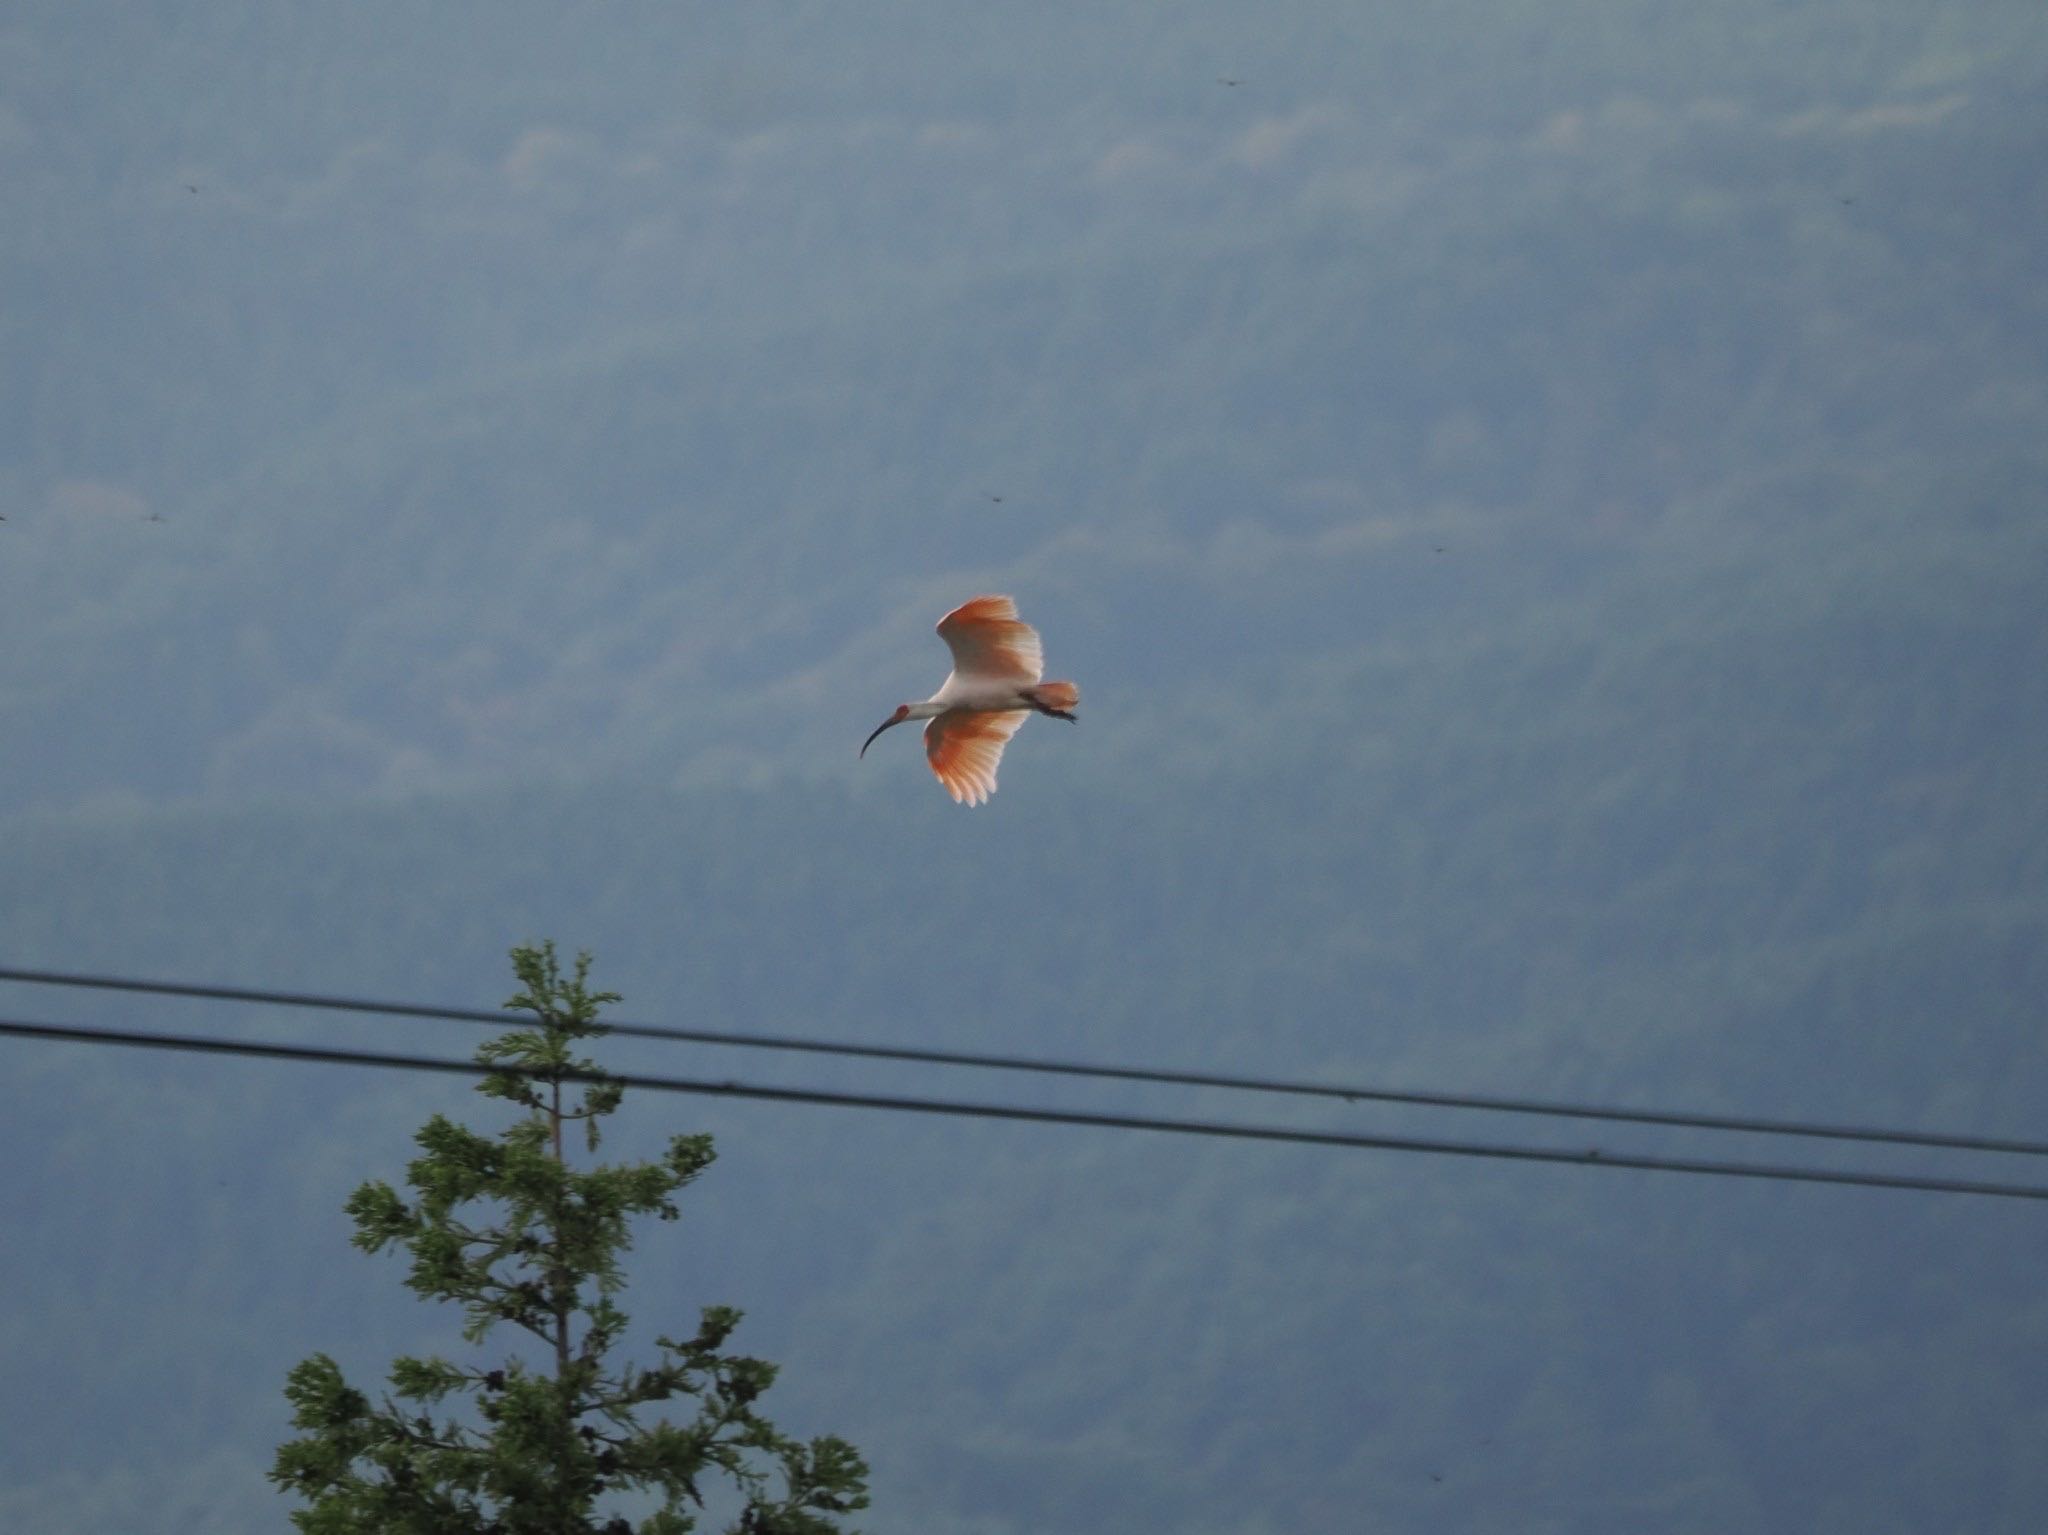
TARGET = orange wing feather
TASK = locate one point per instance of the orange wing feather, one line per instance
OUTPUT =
(964, 746)
(989, 640)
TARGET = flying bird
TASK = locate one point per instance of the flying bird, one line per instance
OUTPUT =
(992, 689)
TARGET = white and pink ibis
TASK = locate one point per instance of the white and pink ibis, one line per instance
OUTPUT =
(992, 689)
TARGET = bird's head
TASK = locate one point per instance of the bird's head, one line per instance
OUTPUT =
(902, 713)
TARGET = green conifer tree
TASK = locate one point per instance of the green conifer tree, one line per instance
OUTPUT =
(537, 1443)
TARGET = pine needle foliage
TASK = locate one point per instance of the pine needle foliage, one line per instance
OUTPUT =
(510, 1230)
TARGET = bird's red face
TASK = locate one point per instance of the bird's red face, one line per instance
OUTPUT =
(902, 713)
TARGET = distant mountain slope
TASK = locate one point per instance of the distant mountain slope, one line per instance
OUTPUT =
(1757, 827)
(713, 546)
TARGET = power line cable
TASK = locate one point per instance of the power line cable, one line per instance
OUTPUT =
(1595, 1157)
(1350, 1093)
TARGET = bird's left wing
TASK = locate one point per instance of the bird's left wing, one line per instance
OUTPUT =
(989, 640)
(964, 746)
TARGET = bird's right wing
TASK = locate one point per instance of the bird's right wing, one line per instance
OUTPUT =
(989, 640)
(965, 745)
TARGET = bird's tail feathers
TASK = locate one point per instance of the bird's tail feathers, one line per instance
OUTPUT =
(1054, 698)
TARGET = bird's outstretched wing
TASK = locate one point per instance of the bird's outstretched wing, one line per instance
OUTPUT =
(989, 640)
(964, 746)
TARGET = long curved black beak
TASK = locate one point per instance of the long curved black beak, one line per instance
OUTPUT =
(870, 741)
